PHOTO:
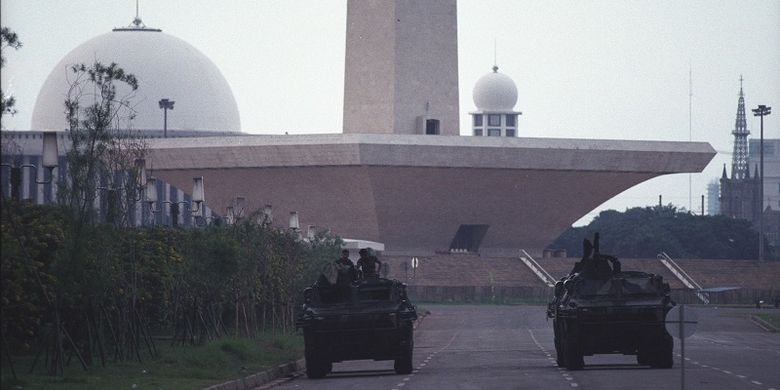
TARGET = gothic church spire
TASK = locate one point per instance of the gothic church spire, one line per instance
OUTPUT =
(739, 163)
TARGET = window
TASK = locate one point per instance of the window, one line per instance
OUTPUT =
(469, 237)
(478, 120)
(510, 132)
(432, 126)
(494, 120)
(494, 132)
(478, 132)
(510, 120)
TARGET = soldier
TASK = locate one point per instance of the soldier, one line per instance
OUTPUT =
(368, 265)
(337, 277)
(587, 249)
(600, 267)
(346, 269)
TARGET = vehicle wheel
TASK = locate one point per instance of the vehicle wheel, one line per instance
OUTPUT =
(664, 357)
(317, 368)
(642, 355)
(573, 358)
(572, 350)
(557, 339)
(641, 358)
(403, 364)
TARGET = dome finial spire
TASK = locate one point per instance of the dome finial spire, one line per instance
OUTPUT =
(495, 56)
(137, 22)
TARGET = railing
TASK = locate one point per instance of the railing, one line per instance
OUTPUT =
(683, 276)
(536, 268)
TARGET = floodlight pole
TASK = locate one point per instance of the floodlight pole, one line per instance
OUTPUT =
(682, 347)
(165, 105)
(761, 111)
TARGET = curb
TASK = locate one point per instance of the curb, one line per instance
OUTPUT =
(277, 375)
(282, 373)
(763, 324)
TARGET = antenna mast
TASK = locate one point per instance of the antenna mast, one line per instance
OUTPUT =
(690, 131)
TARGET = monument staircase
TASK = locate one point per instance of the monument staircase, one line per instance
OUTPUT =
(537, 269)
(683, 276)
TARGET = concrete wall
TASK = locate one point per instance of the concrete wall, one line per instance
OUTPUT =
(401, 63)
(413, 192)
(416, 208)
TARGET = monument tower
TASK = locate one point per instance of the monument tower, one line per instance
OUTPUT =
(401, 67)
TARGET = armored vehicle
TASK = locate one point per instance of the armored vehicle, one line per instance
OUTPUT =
(367, 319)
(601, 309)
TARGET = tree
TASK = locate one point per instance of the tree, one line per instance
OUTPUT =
(643, 232)
(8, 38)
(101, 150)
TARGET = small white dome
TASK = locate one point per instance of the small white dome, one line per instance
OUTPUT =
(495, 92)
(165, 66)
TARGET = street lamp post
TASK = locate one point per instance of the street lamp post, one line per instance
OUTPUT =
(48, 161)
(195, 205)
(761, 111)
(138, 173)
(166, 105)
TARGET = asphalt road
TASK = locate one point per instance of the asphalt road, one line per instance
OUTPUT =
(511, 347)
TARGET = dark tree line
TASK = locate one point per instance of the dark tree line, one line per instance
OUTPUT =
(643, 232)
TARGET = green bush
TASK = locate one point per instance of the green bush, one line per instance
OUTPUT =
(106, 293)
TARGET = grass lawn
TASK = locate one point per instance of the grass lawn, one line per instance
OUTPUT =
(189, 367)
(773, 318)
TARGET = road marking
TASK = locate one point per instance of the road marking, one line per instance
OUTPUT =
(756, 383)
(741, 376)
(727, 372)
(564, 374)
(406, 379)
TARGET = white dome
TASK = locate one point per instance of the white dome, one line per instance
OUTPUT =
(495, 92)
(165, 66)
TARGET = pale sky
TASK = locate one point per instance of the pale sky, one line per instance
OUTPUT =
(583, 69)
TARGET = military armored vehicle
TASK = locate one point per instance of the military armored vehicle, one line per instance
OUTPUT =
(601, 309)
(367, 319)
